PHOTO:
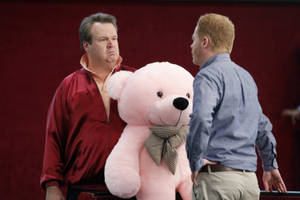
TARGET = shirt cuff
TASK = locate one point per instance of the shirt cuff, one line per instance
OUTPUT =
(271, 166)
(197, 165)
(52, 183)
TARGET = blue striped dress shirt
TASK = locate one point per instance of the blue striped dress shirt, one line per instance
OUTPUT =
(227, 122)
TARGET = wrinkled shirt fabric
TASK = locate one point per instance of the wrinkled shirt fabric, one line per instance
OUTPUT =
(227, 121)
(79, 133)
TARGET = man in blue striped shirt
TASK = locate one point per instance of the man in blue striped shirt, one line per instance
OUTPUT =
(227, 122)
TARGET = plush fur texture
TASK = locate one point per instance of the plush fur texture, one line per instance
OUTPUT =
(146, 98)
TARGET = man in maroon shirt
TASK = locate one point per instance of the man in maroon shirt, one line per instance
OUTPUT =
(83, 124)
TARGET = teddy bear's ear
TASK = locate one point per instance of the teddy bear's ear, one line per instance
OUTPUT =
(116, 82)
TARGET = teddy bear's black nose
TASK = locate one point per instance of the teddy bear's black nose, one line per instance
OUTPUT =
(180, 103)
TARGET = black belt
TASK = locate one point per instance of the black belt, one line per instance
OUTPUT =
(221, 168)
(78, 194)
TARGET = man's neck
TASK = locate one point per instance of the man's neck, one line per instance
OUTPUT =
(208, 55)
(101, 69)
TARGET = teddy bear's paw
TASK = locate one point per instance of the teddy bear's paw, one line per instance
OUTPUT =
(124, 185)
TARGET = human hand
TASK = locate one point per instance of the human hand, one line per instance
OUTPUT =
(208, 162)
(272, 181)
(195, 174)
(194, 177)
(294, 114)
(54, 193)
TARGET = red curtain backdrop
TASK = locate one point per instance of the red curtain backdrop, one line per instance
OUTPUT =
(39, 46)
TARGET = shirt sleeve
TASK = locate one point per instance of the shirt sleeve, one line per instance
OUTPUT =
(266, 144)
(206, 97)
(53, 155)
(298, 108)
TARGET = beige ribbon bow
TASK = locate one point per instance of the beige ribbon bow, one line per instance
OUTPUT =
(162, 144)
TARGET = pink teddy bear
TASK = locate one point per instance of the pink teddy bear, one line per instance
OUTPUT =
(149, 161)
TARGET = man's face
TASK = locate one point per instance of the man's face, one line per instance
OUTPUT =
(104, 47)
(196, 48)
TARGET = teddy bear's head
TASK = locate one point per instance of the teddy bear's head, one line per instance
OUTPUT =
(158, 94)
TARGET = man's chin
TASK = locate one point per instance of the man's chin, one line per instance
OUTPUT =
(112, 60)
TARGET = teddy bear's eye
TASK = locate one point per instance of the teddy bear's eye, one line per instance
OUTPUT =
(159, 94)
(188, 95)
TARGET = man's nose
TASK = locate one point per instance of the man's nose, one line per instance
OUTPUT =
(110, 43)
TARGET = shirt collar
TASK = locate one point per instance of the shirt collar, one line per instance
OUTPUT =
(84, 62)
(219, 56)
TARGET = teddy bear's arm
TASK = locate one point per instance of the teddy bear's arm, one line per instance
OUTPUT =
(122, 166)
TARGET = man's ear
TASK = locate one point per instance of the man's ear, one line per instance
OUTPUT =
(206, 41)
(85, 45)
(116, 83)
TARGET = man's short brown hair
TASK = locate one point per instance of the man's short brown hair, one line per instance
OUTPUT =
(219, 29)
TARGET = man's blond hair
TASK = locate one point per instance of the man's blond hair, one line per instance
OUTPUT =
(219, 29)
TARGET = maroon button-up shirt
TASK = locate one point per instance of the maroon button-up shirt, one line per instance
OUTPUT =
(79, 136)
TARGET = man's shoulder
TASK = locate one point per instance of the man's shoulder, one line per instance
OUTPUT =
(126, 67)
(73, 82)
(213, 69)
(243, 71)
(78, 74)
(224, 67)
